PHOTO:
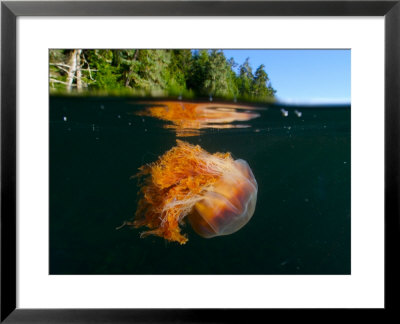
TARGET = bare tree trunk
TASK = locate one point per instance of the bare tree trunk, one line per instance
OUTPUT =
(78, 71)
(72, 70)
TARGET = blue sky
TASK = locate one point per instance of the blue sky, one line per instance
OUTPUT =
(303, 76)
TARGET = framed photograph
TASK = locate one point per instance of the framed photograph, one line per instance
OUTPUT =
(197, 160)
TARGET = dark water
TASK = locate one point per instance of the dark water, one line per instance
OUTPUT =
(302, 165)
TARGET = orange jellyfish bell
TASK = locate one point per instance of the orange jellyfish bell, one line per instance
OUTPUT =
(228, 206)
(216, 193)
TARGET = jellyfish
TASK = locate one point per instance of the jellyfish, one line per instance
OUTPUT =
(214, 193)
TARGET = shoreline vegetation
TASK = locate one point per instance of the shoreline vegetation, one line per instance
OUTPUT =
(179, 73)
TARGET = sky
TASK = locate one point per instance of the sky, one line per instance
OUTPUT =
(303, 76)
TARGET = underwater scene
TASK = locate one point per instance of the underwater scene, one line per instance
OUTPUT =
(216, 179)
(299, 156)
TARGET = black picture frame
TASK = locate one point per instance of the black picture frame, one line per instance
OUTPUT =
(10, 10)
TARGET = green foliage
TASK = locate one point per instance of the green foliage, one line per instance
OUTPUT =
(181, 72)
(246, 78)
(261, 87)
(105, 73)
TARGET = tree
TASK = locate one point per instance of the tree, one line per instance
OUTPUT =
(66, 69)
(245, 80)
(260, 88)
(197, 72)
(180, 63)
(203, 72)
(217, 74)
(151, 70)
(107, 75)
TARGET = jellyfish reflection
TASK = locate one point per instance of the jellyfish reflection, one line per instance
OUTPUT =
(189, 118)
(217, 193)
